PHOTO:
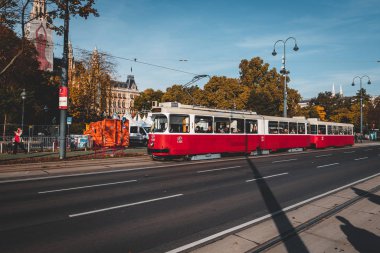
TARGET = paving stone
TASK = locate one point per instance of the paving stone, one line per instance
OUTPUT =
(230, 244)
(330, 201)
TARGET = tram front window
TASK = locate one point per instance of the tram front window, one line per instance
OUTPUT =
(160, 123)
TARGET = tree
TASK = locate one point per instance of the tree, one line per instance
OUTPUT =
(144, 101)
(224, 93)
(23, 74)
(182, 95)
(267, 86)
(90, 89)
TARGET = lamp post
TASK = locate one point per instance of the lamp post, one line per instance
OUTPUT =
(283, 68)
(23, 97)
(361, 98)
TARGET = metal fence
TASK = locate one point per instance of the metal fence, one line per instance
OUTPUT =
(46, 143)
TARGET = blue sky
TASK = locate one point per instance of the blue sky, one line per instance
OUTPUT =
(338, 40)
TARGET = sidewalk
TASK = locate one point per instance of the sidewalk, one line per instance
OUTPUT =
(34, 157)
(345, 221)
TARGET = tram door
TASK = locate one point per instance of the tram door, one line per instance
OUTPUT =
(251, 137)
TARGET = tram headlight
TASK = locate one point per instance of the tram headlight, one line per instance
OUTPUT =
(152, 144)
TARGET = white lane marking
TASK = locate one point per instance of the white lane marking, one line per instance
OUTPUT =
(252, 222)
(349, 152)
(122, 206)
(323, 155)
(276, 175)
(327, 165)
(87, 186)
(361, 158)
(227, 168)
(280, 161)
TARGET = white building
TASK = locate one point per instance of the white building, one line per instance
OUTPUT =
(123, 96)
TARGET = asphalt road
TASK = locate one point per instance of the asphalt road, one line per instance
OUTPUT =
(162, 206)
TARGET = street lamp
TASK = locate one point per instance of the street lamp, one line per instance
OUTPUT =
(283, 68)
(23, 97)
(361, 99)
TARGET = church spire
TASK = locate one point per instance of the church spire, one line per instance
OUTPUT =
(38, 10)
(341, 91)
(333, 90)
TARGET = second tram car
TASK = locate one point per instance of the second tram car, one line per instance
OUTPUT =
(186, 130)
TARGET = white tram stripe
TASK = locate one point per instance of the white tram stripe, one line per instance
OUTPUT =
(276, 175)
(257, 220)
(323, 155)
(87, 186)
(288, 160)
(227, 168)
(327, 165)
(122, 206)
(361, 158)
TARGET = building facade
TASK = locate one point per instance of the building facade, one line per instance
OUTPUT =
(123, 96)
(41, 36)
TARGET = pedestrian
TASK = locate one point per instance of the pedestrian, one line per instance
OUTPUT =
(17, 141)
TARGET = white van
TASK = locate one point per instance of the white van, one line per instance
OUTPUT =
(138, 135)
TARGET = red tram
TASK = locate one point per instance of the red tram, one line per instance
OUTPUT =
(186, 130)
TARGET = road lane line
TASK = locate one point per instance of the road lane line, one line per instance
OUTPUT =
(122, 206)
(227, 168)
(255, 221)
(323, 155)
(87, 186)
(349, 152)
(368, 149)
(327, 165)
(361, 158)
(288, 160)
(276, 175)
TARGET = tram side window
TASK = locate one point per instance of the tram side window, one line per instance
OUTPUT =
(160, 123)
(350, 130)
(292, 128)
(329, 130)
(273, 127)
(335, 130)
(179, 123)
(313, 129)
(237, 126)
(251, 126)
(340, 129)
(321, 129)
(301, 128)
(222, 125)
(283, 127)
(203, 124)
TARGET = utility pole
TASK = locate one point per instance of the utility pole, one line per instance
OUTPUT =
(64, 95)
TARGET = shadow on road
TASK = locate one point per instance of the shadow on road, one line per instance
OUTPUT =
(361, 239)
(281, 221)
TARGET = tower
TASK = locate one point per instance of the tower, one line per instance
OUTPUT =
(340, 91)
(41, 36)
(333, 90)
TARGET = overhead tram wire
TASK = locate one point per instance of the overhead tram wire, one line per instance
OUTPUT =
(133, 60)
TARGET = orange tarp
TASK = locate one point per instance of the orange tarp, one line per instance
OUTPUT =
(109, 133)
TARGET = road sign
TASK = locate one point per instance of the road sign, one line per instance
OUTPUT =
(69, 120)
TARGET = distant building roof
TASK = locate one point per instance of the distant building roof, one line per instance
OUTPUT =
(129, 84)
